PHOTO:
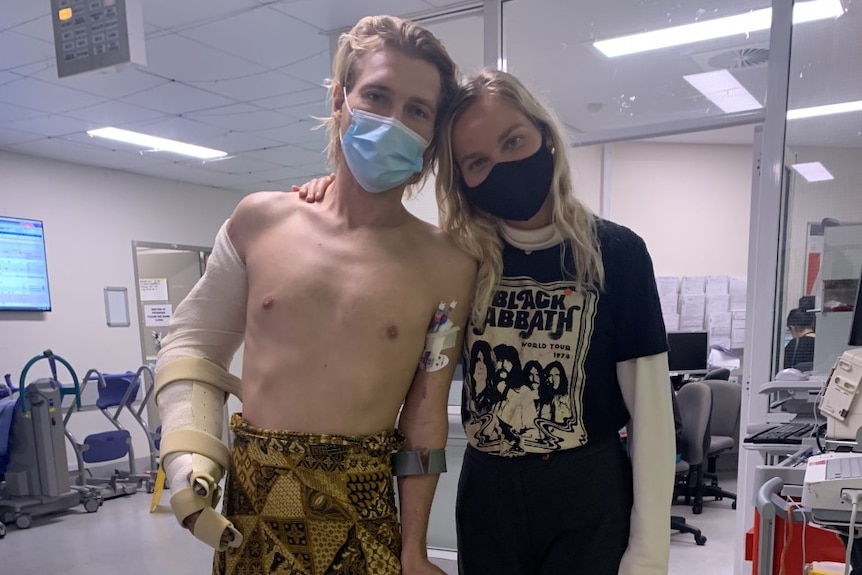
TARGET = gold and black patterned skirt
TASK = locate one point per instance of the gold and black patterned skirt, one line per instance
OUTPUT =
(311, 504)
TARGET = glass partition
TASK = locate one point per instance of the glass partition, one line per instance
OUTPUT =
(616, 65)
(823, 167)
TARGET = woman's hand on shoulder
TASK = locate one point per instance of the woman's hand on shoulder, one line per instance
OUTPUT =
(314, 190)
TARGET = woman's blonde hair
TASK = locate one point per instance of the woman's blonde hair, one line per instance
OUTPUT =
(373, 33)
(475, 231)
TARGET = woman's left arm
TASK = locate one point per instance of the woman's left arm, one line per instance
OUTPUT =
(646, 390)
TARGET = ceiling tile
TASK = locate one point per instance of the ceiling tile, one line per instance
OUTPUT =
(240, 164)
(176, 98)
(296, 133)
(6, 77)
(81, 153)
(10, 113)
(172, 14)
(239, 142)
(18, 49)
(50, 125)
(39, 27)
(278, 175)
(9, 137)
(253, 85)
(290, 155)
(283, 101)
(45, 96)
(110, 83)
(314, 68)
(17, 13)
(182, 129)
(242, 117)
(277, 38)
(444, 3)
(337, 15)
(179, 58)
(115, 113)
(309, 112)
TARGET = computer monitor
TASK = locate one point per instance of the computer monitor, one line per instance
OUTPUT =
(856, 325)
(23, 266)
(687, 351)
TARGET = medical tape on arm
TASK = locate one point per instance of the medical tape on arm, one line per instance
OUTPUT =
(436, 342)
(190, 393)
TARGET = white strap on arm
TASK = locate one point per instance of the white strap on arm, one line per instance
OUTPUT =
(646, 390)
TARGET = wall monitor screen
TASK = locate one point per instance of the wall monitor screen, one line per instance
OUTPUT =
(23, 266)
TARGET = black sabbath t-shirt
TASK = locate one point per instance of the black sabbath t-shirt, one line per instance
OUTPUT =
(541, 375)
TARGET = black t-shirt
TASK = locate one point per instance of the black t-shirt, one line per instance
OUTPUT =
(541, 376)
(799, 353)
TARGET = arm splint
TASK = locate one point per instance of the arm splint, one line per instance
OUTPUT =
(192, 383)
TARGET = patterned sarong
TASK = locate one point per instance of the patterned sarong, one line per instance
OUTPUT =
(311, 504)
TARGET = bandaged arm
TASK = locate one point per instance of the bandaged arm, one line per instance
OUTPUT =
(646, 391)
(192, 383)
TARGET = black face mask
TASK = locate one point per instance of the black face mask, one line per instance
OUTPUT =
(515, 190)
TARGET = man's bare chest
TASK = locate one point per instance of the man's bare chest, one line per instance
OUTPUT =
(361, 287)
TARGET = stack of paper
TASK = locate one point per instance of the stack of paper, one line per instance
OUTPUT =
(737, 329)
(738, 289)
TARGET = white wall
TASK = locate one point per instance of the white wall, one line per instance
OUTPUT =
(690, 203)
(91, 216)
(586, 164)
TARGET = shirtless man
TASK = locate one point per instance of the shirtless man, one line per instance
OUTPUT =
(333, 302)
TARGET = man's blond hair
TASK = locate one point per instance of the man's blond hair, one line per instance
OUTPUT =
(373, 33)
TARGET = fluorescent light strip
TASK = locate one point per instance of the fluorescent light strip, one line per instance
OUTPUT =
(724, 90)
(753, 21)
(156, 143)
(813, 171)
(826, 110)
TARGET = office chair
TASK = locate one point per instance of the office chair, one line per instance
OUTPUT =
(721, 373)
(724, 432)
(677, 522)
(695, 406)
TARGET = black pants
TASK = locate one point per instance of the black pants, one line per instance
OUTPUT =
(563, 513)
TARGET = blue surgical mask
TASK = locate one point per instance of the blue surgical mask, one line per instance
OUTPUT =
(381, 152)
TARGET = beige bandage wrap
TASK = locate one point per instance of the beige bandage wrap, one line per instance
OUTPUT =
(192, 383)
(192, 452)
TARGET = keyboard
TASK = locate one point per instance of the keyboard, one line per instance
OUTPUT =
(848, 468)
(787, 433)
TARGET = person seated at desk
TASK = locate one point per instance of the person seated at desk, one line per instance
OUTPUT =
(799, 353)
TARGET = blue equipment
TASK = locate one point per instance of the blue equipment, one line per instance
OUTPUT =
(116, 393)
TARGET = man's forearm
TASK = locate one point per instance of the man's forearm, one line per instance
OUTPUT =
(416, 493)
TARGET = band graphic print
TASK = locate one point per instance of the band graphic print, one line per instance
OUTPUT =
(528, 391)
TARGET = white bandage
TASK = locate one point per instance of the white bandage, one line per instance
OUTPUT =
(435, 342)
(192, 384)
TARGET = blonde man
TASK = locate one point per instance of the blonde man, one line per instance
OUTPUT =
(334, 305)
